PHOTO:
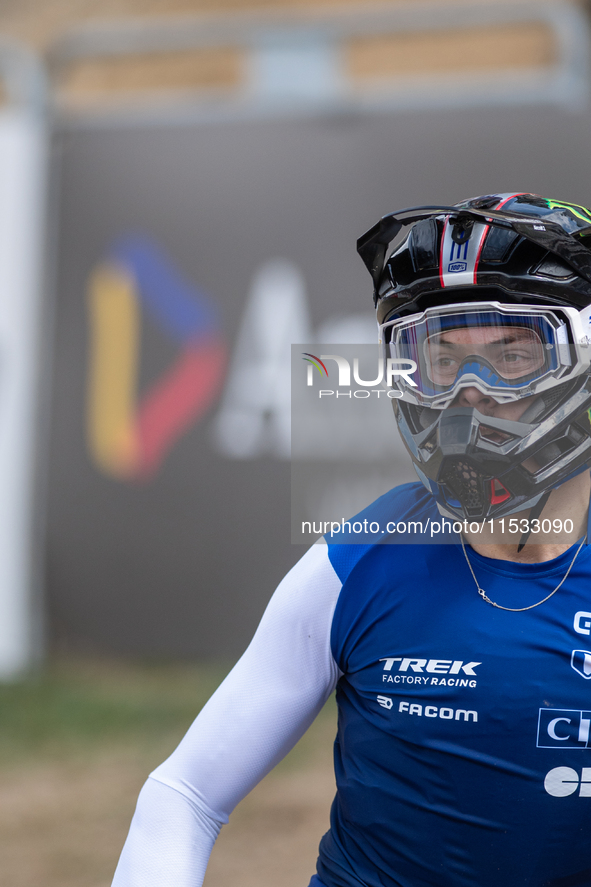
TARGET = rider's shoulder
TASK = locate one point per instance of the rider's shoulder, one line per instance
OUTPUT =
(386, 520)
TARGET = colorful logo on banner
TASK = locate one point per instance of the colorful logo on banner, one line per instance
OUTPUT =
(130, 434)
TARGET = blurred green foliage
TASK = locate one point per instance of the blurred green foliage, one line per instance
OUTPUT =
(77, 704)
(77, 707)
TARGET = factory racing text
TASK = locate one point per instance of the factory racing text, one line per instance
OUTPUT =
(429, 671)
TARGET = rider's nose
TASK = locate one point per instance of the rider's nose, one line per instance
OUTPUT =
(473, 397)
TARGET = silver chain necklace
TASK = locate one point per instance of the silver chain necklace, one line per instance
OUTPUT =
(486, 598)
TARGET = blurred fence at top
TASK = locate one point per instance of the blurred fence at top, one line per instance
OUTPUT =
(209, 177)
(388, 57)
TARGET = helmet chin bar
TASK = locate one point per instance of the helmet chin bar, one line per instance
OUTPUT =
(480, 468)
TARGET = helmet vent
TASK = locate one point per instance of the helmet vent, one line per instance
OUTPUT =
(552, 267)
(545, 403)
(422, 244)
(498, 244)
(498, 492)
(465, 483)
(488, 201)
(553, 395)
(430, 445)
(428, 417)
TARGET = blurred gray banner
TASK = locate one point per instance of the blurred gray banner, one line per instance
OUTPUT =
(346, 450)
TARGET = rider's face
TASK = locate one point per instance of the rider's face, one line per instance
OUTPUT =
(513, 352)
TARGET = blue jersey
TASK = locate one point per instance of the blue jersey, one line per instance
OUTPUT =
(463, 755)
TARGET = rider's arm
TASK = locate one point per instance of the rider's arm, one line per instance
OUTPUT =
(258, 713)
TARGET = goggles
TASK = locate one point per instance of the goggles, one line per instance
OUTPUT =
(507, 352)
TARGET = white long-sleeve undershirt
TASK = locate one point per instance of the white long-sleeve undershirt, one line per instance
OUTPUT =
(256, 716)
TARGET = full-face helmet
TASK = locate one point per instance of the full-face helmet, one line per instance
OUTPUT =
(490, 295)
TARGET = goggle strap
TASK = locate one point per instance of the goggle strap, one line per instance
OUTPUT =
(534, 514)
